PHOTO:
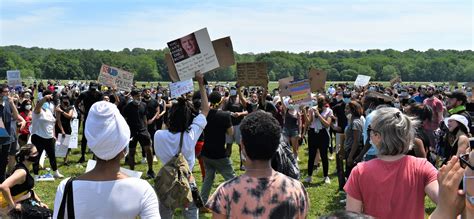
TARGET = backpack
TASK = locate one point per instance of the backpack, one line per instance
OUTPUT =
(172, 182)
(284, 162)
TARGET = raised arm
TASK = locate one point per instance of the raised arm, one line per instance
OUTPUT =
(202, 89)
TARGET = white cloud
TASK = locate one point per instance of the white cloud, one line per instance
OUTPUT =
(327, 26)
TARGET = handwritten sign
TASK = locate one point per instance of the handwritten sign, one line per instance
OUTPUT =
(14, 78)
(283, 85)
(300, 92)
(111, 76)
(62, 145)
(74, 133)
(317, 80)
(193, 52)
(181, 87)
(252, 74)
(362, 80)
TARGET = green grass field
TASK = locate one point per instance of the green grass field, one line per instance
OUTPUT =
(324, 198)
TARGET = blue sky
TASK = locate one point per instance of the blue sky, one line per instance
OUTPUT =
(254, 26)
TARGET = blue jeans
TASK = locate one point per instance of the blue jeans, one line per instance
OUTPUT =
(223, 166)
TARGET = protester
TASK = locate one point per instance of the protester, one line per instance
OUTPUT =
(102, 192)
(26, 113)
(64, 114)
(42, 133)
(237, 112)
(167, 141)
(87, 98)
(405, 180)
(421, 144)
(17, 189)
(153, 114)
(273, 195)
(430, 125)
(353, 135)
(291, 125)
(214, 152)
(457, 101)
(457, 138)
(320, 118)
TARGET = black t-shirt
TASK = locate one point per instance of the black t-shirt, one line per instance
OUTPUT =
(218, 122)
(151, 106)
(234, 105)
(89, 98)
(338, 108)
(134, 113)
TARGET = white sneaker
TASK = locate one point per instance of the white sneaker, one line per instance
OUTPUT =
(56, 174)
(154, 159)
(308, 179)
(327, 180)
(143, 160)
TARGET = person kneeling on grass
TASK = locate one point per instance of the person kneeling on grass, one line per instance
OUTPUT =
(261, 192)
(105, 192)
(18, 187)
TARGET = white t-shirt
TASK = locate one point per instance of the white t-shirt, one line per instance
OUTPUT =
(316, 124)
(124, 198)
(167, 143)
(42, 124)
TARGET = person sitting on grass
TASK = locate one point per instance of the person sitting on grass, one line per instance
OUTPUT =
(106, 192)
(261, 192)
(18, 187)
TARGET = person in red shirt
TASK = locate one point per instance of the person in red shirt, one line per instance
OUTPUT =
(25, 113)
(431, 124)
(394, 185)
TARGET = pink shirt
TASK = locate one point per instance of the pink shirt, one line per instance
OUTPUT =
(437, 107)
(392, 189)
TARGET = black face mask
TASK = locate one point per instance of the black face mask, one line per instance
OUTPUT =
(34, 159)
(66, 103)
(147, 96)
(320, 105)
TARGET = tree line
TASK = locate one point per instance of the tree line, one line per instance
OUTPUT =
(149, 65)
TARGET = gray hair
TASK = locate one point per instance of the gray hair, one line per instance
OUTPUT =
(396, 129)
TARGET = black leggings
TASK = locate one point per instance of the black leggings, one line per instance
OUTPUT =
(48, 146)
(3, 161)
(84, 139)
(318, 141)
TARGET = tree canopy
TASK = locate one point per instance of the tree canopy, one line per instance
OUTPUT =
(149, 65)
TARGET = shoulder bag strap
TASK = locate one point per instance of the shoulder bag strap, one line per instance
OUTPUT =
(67, 200)
(181, 142)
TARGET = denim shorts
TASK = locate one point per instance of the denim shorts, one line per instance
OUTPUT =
(290, 133)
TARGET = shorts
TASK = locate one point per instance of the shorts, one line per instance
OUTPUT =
(230, 139)
(291, 133)
(142, 137)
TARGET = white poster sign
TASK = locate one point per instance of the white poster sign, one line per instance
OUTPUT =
(14, 78)
(62, 145)
(362, 80)
(193, 52)
(181, 87)
(73, 141)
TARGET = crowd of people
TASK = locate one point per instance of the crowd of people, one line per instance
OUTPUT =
(392, 146)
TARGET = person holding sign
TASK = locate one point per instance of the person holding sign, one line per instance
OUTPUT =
(64, 113)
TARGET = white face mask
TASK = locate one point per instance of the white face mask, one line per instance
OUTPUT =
(28, 107)
(233, 92)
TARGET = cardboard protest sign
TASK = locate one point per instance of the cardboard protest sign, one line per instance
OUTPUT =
(193, 52)
(317, 80)
(74, 134)
(300, 92)
(131, 173)
(362, 80)
(252, 74)
(283, 85)
(181, 87)
(224, 52)
(396, 80)
(111, 76)
(62, 145)
(14, 78)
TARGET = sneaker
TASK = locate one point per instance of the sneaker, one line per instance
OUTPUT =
(154, 159)
(308, 179)
(58, 175)
(143, 161)
(327, 180)
(150, 174)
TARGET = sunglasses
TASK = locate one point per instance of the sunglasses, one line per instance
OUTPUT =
(464, 161)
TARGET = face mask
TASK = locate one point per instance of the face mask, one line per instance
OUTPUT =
(66, 103)
(233, 92)
(45, 106)
(429, 95)
(28, 107)
(320, 105)
(147, 96)
(349, 116)
(159, 95)
(291, 107)
(347, 100)
(338, 98)
(33, 159)
(396, 105)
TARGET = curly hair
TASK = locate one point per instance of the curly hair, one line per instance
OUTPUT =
(260, 135)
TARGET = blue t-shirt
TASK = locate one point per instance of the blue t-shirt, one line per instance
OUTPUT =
(373, 150)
